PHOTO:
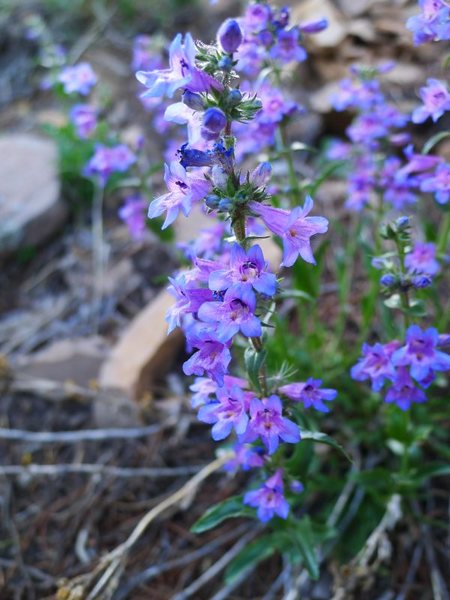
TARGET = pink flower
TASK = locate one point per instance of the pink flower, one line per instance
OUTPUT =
(295, 228)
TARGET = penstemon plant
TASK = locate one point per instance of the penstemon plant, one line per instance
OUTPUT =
(225, 302)
(255, 381)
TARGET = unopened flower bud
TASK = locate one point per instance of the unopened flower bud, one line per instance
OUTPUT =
(193, 100)
(229, 36)
(218, 177)
(402, 222)
(234, 98)
(214, 120)
(421, 281)
(261, 175)
(297, 487)
(212, 201)
(225, 63)
(225, 204)
(314, 26)
(388, 280)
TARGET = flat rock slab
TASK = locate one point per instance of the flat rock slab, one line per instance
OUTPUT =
(144, 352)
(30, 206)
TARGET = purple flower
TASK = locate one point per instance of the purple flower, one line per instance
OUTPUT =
(229, 413)
(109, 160)
(79, 78)
(234, 314)
(257, 16)
(204, 388)
(420, 353)
(436, 100)
(84, 119)
(181, 114)
(418, 163)
(182, 72)
(133, 213)
(188, 299)
(433, 24)
(184, 189)
(375, 364)
(403, 391)
(295, 228)
(267, 423)
(261, 174)
(286, 47)
(439, 183)
(357, 94)
(422, 259)
(246, 457)
(269, 498)
(309, 393)
(144, 56)
(214, 120)
(246, 269)
(314, 26)
(229, 36)
(212, 357)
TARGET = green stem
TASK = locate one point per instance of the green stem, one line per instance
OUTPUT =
(404, 296)
(97, 253)
(444, 234)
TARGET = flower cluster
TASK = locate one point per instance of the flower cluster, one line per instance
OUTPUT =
(432, 24)
(407, 368)
(376, 168)
(227, 292)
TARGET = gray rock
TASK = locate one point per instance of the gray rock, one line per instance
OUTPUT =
(30, 206)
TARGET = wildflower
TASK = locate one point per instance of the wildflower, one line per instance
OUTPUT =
(375, 364)
(403, 391)
(182, 73)
(432, 24)
(309, 393)
(188, 299)
(420, 353)
(286, 47)
(144, 56)
(439, 183)
(269, 499)
(84, 119)
(214, 120)
(314, 26)
(234, 314)
(133, 213)
(422, 259)
(436, 100)
(246, 269)
(192, 157)
(267, 423)
(193, 100)
(245, 457)
(229, 36)
(261, 174)
(211, 358)
(181, 114)
(79, 78)
(108, 160)
(295, 228)
(227, 414)
(184, 189)
(204, 388)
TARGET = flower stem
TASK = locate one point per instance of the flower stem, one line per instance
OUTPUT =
(444, 234)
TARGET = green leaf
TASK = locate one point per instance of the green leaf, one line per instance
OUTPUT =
(433, 470)
(228, 509)
(296, 294)
(323, 438)
(303, 536)
(253, 364)
(250, 556)
(435, 139)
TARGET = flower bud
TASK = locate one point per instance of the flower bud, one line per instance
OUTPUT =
(402, 222)
(297, 487)
(225, 204)
(225, 63)
(193, 100)
(218, 177)
(212, 201)
(421, 281)
(388, 280)
(229, 36)
(314, 26)
(233, 98)
(214, 120)
(261, 175)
